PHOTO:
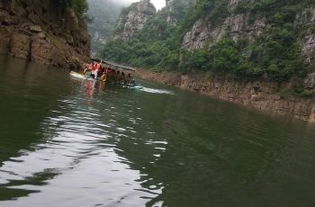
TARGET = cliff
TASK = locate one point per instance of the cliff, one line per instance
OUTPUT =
(43, 31)
(104, 15)
(239, 42)
(133, 19)
(243, 22)
(173, 8)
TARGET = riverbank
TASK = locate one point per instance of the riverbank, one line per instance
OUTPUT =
(263, 95)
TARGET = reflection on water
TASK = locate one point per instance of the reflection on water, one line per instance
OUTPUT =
(80, 143)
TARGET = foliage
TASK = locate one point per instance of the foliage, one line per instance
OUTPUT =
(275, 54)
(80, 7)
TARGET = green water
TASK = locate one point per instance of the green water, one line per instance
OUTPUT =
(64, 142)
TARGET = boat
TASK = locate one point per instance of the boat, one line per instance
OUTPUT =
(78, 75)
(116, 68)
(83, 77)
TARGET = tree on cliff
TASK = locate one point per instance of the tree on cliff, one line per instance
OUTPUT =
(80, 7)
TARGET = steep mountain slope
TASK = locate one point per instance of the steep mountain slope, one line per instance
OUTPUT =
(149, 44)
(259, 53)
(45, 31)
(133, 19)
(252, 39)
(104, 15)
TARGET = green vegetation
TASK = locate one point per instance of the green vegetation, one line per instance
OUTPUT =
(80, 7)
(275, 54)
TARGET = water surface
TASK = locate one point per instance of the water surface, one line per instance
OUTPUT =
(65, 142)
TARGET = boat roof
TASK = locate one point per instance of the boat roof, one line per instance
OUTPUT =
(114, 65)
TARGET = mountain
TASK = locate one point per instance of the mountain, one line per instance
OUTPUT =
(133, 19)
(258, 53)
(103, 15)
(250, 39)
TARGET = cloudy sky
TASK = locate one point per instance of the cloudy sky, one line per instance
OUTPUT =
(157, 3)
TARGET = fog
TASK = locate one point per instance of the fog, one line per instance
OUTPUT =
(157, 3)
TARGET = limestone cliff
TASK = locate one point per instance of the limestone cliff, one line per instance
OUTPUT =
(259, 53)
(133, 19)
(173, 7)
(205, 33)
(41, 31)
(241, 23)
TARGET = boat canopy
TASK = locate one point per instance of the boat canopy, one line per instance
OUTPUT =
(114, 66)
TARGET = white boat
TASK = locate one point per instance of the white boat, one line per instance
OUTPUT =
(77, 75)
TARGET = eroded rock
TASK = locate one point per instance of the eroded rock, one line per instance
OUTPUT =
(42, 51)
(36, 28)
(37, 31)
(134, 20)
(309, 81)
(20, 45)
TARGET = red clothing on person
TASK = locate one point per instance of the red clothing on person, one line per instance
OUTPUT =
(97, 66)
(91, 66)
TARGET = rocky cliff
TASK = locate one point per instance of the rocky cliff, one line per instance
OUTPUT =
(43, 31)
(242, 24)
(259, 53)
(104, 15)
(173, 7)
(133, 19)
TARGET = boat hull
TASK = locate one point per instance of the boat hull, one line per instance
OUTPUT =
(83, 77)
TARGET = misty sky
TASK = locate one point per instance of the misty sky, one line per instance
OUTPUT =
(157, 3)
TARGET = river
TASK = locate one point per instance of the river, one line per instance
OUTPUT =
(66, 142)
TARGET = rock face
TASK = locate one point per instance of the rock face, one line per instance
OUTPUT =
(39, 31)
(172, 7)
(133, 19)
(261, 95)
(205, 33)
(307, 19)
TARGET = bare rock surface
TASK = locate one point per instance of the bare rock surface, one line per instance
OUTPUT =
(41, 32)
(134, 18)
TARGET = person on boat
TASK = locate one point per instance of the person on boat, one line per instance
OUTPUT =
(108, 73)
(92, 69)
(104, 77)
(123, 78)
(97, 67)
(85, 68)
(101, 71)
(118, 77)
(128, 79)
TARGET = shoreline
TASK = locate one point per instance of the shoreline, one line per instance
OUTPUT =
(261, 95)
